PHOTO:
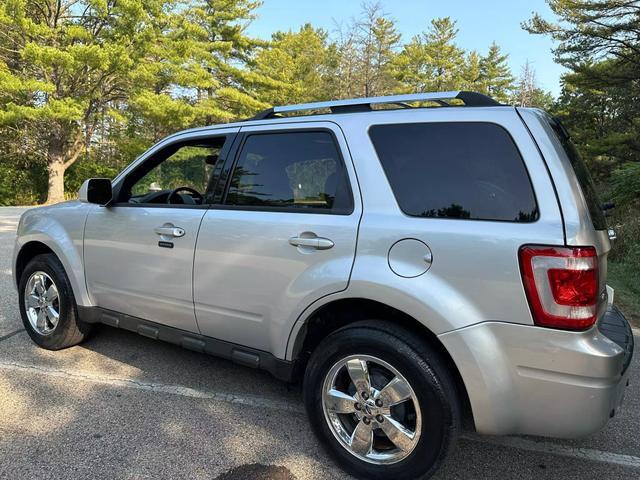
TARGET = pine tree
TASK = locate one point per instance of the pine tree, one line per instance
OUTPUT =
(496, 79)
(151, 64)
(65, 61)
(432, 61)
(296, 67)
(367, 47)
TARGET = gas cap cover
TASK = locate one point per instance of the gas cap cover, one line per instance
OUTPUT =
(409, 258)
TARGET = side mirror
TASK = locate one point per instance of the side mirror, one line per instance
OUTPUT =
(96, 190)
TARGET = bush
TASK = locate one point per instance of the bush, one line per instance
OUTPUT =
(625, 183)
(85, 168)
(22, 182)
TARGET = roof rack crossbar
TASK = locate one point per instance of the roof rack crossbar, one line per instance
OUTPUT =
(471, 99)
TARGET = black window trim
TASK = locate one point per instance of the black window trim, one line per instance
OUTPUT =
(221, 195)
(421, 122)
(230, 140)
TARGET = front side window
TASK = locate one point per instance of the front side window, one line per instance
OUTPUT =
(294, 170)
(464, 170)
(178, 174)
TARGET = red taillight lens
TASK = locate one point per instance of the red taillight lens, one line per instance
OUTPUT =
(573, 287)
(561, 284)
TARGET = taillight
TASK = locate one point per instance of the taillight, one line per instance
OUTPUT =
(561, 284)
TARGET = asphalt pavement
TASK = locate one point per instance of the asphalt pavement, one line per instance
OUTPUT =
(124, 406)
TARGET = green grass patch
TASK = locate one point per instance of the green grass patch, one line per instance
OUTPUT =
(625, 280)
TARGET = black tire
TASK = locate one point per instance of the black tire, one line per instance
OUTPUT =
(422, 367)
(70, 330)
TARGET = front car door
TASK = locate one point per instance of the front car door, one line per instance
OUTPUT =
(282, 235)
(138, 252)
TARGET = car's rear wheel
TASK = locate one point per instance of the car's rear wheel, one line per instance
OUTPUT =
(47, 305)
(383, 401)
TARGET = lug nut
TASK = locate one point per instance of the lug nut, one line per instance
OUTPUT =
(365, 395)
(378, 403)
(379, 418)
(366, 420)
(357, 406)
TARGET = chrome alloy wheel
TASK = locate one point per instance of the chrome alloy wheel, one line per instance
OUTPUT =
(41, 303)
(371, 409)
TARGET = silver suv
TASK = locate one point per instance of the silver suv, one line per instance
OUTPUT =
(420, 269)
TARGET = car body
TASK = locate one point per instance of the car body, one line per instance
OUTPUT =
(263, 285)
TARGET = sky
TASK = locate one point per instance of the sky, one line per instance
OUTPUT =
(480, 22)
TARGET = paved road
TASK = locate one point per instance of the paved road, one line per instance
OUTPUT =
(124, 406)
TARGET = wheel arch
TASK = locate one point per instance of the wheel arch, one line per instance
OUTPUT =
(28, 251)
(36, 243)
(338, 313)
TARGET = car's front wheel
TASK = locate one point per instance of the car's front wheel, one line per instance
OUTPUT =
(382, 401)
(47, 304)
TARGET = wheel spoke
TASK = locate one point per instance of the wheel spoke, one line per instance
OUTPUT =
(32, 301)
(359, 374)
(395, 392)
(41, 320)
(400, 436)
(362, 439)
(52, 315)
(339, 402)
(38, 285)
(51, 294)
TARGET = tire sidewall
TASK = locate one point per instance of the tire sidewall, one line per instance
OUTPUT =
(436, 408)
(50, 265)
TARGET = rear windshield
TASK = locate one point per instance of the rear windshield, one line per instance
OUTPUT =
(582, 173)
(465, 170)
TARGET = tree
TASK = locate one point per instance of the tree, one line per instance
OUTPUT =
(527, 92)
(591, 31)
(66, 61)
(495, 77)
(81, 71)
(431, 61)
(599, 42)
(366, 49)
(298, 67)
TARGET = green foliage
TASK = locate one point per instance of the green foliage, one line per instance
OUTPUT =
(431, 61)
(625, 182)
(87, 85)
(495, 76)
(599, 42)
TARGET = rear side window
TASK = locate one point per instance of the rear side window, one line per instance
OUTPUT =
(455, 170)
(582, 173)
(296, 171)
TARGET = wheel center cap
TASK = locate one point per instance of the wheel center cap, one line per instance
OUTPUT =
(369, 407)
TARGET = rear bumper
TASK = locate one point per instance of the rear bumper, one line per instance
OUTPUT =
(530, 380)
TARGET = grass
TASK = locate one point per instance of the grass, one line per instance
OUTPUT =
(625, 280)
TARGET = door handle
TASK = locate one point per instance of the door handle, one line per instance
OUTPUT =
(169, 231)
(319, 243)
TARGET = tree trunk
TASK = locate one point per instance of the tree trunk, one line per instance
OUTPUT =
(55, 168)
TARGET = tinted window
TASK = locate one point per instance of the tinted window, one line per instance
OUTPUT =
(188, 164)
(582, 173)
(300, 170)
(455, 170)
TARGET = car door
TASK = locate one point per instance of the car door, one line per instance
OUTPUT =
(282, 235)
(138, 252)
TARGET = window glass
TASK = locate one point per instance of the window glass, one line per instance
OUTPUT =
(582, 173)
(182, 165)
(291, 170)
(455, 170)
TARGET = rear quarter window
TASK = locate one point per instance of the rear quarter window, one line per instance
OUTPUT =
(582, 174)
(464, 170)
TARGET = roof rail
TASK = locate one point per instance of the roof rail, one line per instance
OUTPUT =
(470, 99)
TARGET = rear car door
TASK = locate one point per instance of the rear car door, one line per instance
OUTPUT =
(138, 252)
(282, 235)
